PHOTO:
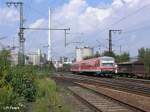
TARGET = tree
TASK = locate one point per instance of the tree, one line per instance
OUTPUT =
(107, 53)
(97, 54)
(4, 59)
(88, 57)
(141, 53)
(4, 66)
(124, 57)
(144, 56)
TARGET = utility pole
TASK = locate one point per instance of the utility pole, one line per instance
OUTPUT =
(120, 47)
(49, 38)
(60, 29)
(64, 29)
(110, 38)
(21, 59)
(65, 37)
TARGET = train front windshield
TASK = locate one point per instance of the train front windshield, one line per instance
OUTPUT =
(107, 61)
(108, 64)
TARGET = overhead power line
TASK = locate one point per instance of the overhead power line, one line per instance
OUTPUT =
(141, 28)
(64, 29)
(46, 28)
(126, 17)
(131, 14)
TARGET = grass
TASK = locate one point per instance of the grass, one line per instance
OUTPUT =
(48, 98)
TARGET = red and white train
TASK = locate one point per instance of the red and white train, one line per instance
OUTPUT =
(100, 66)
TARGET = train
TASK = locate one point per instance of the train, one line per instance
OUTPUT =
(101, 66)
(106, 66)
(135, 69)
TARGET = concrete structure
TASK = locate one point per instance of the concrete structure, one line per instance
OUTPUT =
(57, 64)
(33, 59)
(83, 52)
(14, 58)
(65, 60)
(60, 63)
(36, 58)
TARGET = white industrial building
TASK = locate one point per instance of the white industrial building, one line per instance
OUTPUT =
(14, 58)
(63, 60)
(34, 58)
(83, 52)
(57, 64)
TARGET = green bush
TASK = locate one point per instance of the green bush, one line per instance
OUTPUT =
(23, 82)
(48, 99)
(10, 101)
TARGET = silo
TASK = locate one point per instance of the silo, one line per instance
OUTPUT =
(83, 52)
(87, 52)
(39, 52)
(78, 54)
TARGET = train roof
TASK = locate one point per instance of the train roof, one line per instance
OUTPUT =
(106, 57)
(103, 57)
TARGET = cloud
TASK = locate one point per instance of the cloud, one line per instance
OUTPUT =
(120, 14)
(8, 15)
(39, 23)
(94, 23)
(80, 16)
(36, 38)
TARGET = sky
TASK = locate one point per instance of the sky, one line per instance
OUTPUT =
(89, 21)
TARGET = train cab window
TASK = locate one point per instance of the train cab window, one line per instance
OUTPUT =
(107, 64)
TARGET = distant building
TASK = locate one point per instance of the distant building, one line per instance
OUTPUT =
(43, 58)
(83, 52)
(63, 59)
(14, 58)
(57, 64)
(36, 58)
(33, 59)
(61, 62)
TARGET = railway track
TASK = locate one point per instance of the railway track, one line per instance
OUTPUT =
(139, 102)
(136, 81)
(136, 88)
(95, 101)
(99, 102)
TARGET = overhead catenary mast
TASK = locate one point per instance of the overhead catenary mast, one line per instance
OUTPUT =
(110, 38)
(49, 58)
(49, 38)
(21, 56)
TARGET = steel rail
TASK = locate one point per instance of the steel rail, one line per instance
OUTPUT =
(129, 87)
(96, 108)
